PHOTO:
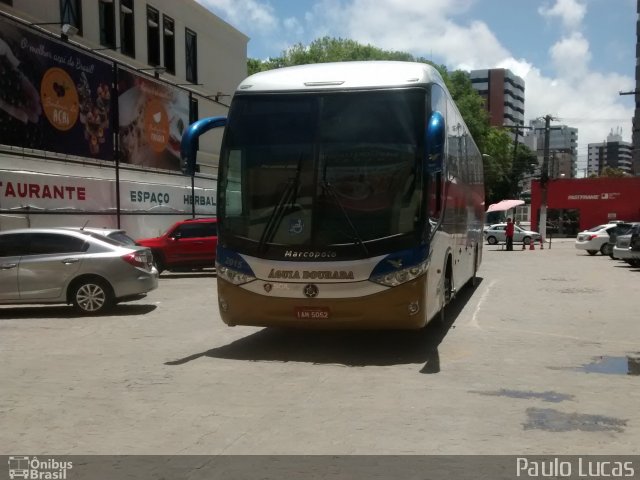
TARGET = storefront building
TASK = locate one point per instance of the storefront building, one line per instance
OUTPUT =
(595, 200)
(93, 106)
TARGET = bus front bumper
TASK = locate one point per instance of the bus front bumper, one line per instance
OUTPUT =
(401, 307)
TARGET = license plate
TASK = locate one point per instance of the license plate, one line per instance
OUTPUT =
(312, 313)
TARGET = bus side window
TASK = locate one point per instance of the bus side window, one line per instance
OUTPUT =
(234, 180)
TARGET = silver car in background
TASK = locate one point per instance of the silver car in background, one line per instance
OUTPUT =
(116, 234)
(72, 266)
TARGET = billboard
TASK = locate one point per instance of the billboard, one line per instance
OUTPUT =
(152, 118)
(52, 96)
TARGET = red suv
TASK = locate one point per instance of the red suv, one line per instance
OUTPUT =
(187, 244)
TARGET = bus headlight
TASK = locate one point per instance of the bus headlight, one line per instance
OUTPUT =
(399, 277)
(233, 276)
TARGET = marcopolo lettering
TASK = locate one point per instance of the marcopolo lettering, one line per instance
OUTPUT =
(139, 196)
(310, 254)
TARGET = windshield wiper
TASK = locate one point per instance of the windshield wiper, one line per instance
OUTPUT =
(287, 199)
(356, 236)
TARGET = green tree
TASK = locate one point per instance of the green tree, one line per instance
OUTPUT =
(612, 172)
(326, 49)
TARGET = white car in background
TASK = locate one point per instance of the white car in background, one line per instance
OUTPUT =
(497, 234)
(596, 239)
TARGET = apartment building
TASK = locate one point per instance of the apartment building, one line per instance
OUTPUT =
(563, 148)
(503, 93)
(613, 153)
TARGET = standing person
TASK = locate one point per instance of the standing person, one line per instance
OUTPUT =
(509, 234)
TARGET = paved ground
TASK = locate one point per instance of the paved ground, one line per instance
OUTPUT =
(517, 369)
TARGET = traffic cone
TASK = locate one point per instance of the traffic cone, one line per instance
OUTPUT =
(532, 245)
(541, 244)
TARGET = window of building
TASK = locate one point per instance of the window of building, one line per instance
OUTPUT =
(127, 30)
(153, 36)
(191, 55)
(169, 43)
(71, 13)
(107, 16)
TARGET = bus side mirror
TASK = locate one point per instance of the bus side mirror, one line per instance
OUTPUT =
(434, 165)
(189, 142)
(434, 143)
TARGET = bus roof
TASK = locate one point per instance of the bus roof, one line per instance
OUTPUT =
(341, 76)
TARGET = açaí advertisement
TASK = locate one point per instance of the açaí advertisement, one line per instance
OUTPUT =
(152, 118)
(52, 96)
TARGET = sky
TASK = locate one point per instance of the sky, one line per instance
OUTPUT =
(575, 56)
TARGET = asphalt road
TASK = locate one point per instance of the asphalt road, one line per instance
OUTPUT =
(540, 358)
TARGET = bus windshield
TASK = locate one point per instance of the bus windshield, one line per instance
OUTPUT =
(323, 169)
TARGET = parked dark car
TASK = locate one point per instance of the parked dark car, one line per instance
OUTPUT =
(628, 246)
(614, 233)
(188, 244)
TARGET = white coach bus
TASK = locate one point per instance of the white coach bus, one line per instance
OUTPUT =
(350, 195)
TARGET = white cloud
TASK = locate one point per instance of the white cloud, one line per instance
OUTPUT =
(293, 26)
(421, 27)
(571, 56)
(591, 105)
(581, 98)
(436, 29)
(245, 13)
(570, 12)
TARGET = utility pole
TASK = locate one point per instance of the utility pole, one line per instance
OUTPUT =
(544, 179)
(517, 129)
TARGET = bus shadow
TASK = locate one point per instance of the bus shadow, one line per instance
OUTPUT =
(65, 312)
(349, 348)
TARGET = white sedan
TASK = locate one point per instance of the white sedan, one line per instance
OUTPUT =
(496, 234)
(595, 239)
